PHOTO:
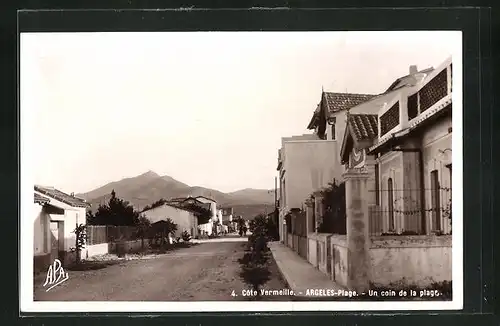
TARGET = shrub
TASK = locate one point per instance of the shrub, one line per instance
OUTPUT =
(80, 235)
(334, 218)
(254, 264)
(186, 236)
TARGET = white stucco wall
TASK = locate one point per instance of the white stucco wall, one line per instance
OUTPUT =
(185, 220)
(41, 240)
(436, 145)
(309, 166)
(410, 260)
(71, 217)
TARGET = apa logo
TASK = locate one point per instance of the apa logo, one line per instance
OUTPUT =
(55, 275)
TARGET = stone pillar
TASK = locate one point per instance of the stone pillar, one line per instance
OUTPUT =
(358, 238)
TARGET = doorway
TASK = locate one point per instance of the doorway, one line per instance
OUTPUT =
(57, 240)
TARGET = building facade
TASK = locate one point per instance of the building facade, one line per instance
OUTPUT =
(413, 156)
(186, 220)
(57, 216)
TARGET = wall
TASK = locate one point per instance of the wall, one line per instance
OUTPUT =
(41, 240)
(185, 220)
(110, 248)
(339, 263)
(72, 217)
(289, 240)
(410, 260)
(97, 249)
(319, 248)
(213, 206)
(309, 165)
(404, 170)
(68, 222)
(312, 250)
(390, 166)
(436, 144)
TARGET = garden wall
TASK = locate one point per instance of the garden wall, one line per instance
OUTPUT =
(110, 248)
(338, 261)
(312, 249)
(410, 260)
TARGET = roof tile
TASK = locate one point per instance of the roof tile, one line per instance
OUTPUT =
(342, 101)
(364, 126)
(62, 197)
(39, 199)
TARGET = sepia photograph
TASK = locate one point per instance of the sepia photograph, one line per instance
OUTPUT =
(241, 171)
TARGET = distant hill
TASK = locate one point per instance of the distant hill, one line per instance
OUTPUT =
(149, 187)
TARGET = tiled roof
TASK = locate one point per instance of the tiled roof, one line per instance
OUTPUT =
(62, 197)
(342, 101)
(39, 199)
(363, 126)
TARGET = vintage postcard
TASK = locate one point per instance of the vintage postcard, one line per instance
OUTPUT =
(241, 171)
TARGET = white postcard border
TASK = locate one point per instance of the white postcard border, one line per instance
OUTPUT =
(28, 305)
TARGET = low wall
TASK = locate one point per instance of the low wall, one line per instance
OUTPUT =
(338, 261)
(312, 249)
(110, 248)
(289, 240)
(302, 248)
(410, 260)
(296, 243)
(94, 250)
(41, 262)
(323, 253)
(130, 246)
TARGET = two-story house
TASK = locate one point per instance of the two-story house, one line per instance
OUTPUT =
(412, 151)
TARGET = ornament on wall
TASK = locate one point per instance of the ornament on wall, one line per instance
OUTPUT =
(357, 158)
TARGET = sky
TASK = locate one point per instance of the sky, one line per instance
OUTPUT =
(206, 108)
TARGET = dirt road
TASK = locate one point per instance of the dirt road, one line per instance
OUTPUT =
(207, 271)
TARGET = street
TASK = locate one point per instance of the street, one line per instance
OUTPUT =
(206, 271)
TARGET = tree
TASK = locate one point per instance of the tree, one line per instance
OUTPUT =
(241, 225)
(334, 202)
(115, 212)
(80, 237)
(254, 264)
(143, 226)
(157, 203)
(162, 229)
(186, 237)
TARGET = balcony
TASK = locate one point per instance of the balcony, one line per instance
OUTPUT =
(412, 106)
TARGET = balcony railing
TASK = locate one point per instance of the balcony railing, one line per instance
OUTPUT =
(435, 90)
(389, 119)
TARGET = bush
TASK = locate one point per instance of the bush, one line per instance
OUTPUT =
(254, 264)
(334, 218)
(186, 236)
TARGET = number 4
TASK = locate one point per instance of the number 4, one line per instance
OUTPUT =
(233, 294)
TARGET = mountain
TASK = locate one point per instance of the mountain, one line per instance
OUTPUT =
(149, 187)
(257, 195)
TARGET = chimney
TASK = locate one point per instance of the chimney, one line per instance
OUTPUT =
(413, 69)
(72, 194)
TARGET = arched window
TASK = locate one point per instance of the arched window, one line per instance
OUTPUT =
(390, 203)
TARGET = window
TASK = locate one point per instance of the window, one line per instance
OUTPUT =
(377, 194)
(334, 136)
(390, 202)
(435, 201)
